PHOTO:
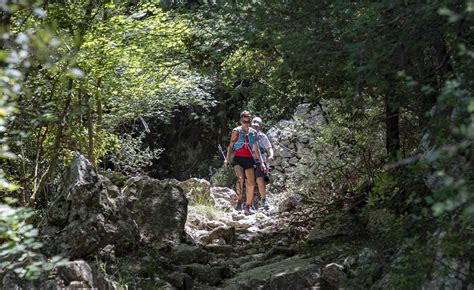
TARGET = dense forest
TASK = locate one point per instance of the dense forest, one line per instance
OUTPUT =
(151, 88)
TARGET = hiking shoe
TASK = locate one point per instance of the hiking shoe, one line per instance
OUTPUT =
(253, 207)
(248, 210)
(265, 204)
(239, 206)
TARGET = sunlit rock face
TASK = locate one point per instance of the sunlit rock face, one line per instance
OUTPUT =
(159, 208)
(90, 213)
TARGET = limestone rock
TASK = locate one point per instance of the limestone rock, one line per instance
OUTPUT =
(448, 272)
(12, 282)
(78, 285)
(293, 161)
(186, 254)
(292, 273)
(88, 213)
(207, 274)
(343, 226)
(220, 249)
(290, 139)
(290, 203)
(366, 256)
(79, 271)
(158, 207)
(224, 198)
(103, 283)
(334, 274)
(226, 233)
(181, 280)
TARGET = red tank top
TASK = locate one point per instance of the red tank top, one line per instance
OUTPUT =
(244, 151)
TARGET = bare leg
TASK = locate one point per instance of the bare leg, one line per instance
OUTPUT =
(239, 172)
(250, 183)
(261, 187)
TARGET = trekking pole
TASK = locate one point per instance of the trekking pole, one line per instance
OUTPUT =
(222, 151)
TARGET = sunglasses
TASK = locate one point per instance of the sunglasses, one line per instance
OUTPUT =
(245, 121)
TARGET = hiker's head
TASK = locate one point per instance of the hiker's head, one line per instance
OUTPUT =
(245, 118)
(256, 123)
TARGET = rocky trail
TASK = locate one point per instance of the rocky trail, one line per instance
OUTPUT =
(144, 233)
(256, 250)
(167, 234)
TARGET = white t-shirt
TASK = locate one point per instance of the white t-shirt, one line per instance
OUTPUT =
(262, 137)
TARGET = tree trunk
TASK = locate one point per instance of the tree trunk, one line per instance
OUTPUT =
(90, 132)
(57, 144)
(392, 130)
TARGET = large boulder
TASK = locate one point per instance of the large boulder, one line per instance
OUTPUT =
(225, 233)
(72, 275)
(292, 273)
(186, 254)
(88, 213)
(336, 226)
(12, 282)
(334, 274)
(77, 271)
(159, 208)
(207, 274)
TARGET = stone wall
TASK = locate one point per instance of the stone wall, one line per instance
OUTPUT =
(290, 140)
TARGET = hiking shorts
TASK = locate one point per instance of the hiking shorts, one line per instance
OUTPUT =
(260, 173)
(244, 162)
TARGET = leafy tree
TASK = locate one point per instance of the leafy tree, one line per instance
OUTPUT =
(19, 51)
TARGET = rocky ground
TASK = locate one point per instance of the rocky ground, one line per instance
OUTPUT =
(144, 233)
(259, 250)
(164, 233)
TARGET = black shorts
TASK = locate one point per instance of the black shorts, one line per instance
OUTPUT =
(260, 173)
(244, 162)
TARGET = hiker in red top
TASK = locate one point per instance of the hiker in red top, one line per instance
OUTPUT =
(243, 142)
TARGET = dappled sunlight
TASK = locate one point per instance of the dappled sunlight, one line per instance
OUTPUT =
(222, 144)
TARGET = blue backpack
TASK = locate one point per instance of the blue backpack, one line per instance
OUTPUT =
(241, 141)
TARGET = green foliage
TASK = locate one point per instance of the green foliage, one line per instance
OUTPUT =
(451, 170)
(385, 187)
(139, 271)
(110, 64)
(117, 178)
(208, 211)
(394, 80)
(224, 177)
(133, 158)
(141, 62)
(19, 248)
(19, 51)
(383, 224)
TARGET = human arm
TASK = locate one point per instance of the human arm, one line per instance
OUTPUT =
(270, 155)
(256, 149)
(233, 138)
(268, 147)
